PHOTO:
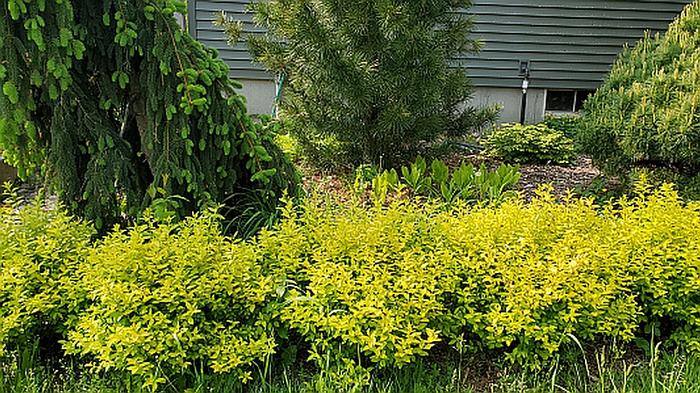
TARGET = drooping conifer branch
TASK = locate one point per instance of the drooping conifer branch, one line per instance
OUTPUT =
(117, 105)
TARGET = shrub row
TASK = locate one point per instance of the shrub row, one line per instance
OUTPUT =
(360, 287)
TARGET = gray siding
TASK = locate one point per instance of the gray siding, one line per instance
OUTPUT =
(569, 43)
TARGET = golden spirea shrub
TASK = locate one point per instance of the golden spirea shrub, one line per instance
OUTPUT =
(163, 296)
(379, 287)
(391, 283)
(40, 251)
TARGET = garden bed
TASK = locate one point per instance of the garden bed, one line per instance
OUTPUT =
(581, 178)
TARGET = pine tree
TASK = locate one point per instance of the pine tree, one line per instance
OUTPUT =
(117, 105)
(382, 77)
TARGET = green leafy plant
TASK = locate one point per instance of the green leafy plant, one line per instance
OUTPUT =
(496, 186)
(377, 78)
(530, 144)
(416, 177)
(466, 183)
(646, 113)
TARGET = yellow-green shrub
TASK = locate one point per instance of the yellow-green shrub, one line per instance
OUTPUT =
(532, 143)
(384, 285)
(40, 250)
(166, 296)
(660, 237)
(362, 287)
(365, 283)
(531, 276)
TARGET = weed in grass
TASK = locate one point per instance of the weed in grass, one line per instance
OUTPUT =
(607, 372)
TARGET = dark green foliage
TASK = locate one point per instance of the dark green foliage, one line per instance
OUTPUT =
(374, 76)
(647, 112)
(111, 98)
(567, 125)
(530, 144)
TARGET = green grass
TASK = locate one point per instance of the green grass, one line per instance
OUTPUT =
(602, 372)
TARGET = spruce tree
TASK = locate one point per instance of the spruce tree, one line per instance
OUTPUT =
(117, 105)
(382, 77)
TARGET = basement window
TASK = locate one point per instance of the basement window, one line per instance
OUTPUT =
(566, 101)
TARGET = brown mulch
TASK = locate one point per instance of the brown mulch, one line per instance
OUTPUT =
(562, 178)
(577, 177)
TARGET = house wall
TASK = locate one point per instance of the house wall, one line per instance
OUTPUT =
(260, 95)
(511, 100)
(569, 44)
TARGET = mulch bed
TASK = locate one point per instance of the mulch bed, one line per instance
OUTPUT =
(577, 177)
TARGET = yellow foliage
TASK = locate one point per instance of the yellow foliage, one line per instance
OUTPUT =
(361, 287)
(388, 284)
(163, 296)
(40, 250)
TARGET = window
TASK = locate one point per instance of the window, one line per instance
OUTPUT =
(581, 97)
(566, 100)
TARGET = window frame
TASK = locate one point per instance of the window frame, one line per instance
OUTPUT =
(573, 110)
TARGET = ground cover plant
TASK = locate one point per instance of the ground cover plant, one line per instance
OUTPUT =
(393, 284)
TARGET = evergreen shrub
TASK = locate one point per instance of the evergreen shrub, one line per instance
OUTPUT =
(646, 113)
(382, 80)
(567, 125)
(114, 103)
(536, 143)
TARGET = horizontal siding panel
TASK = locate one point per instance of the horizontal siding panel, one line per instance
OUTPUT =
(569, 43)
